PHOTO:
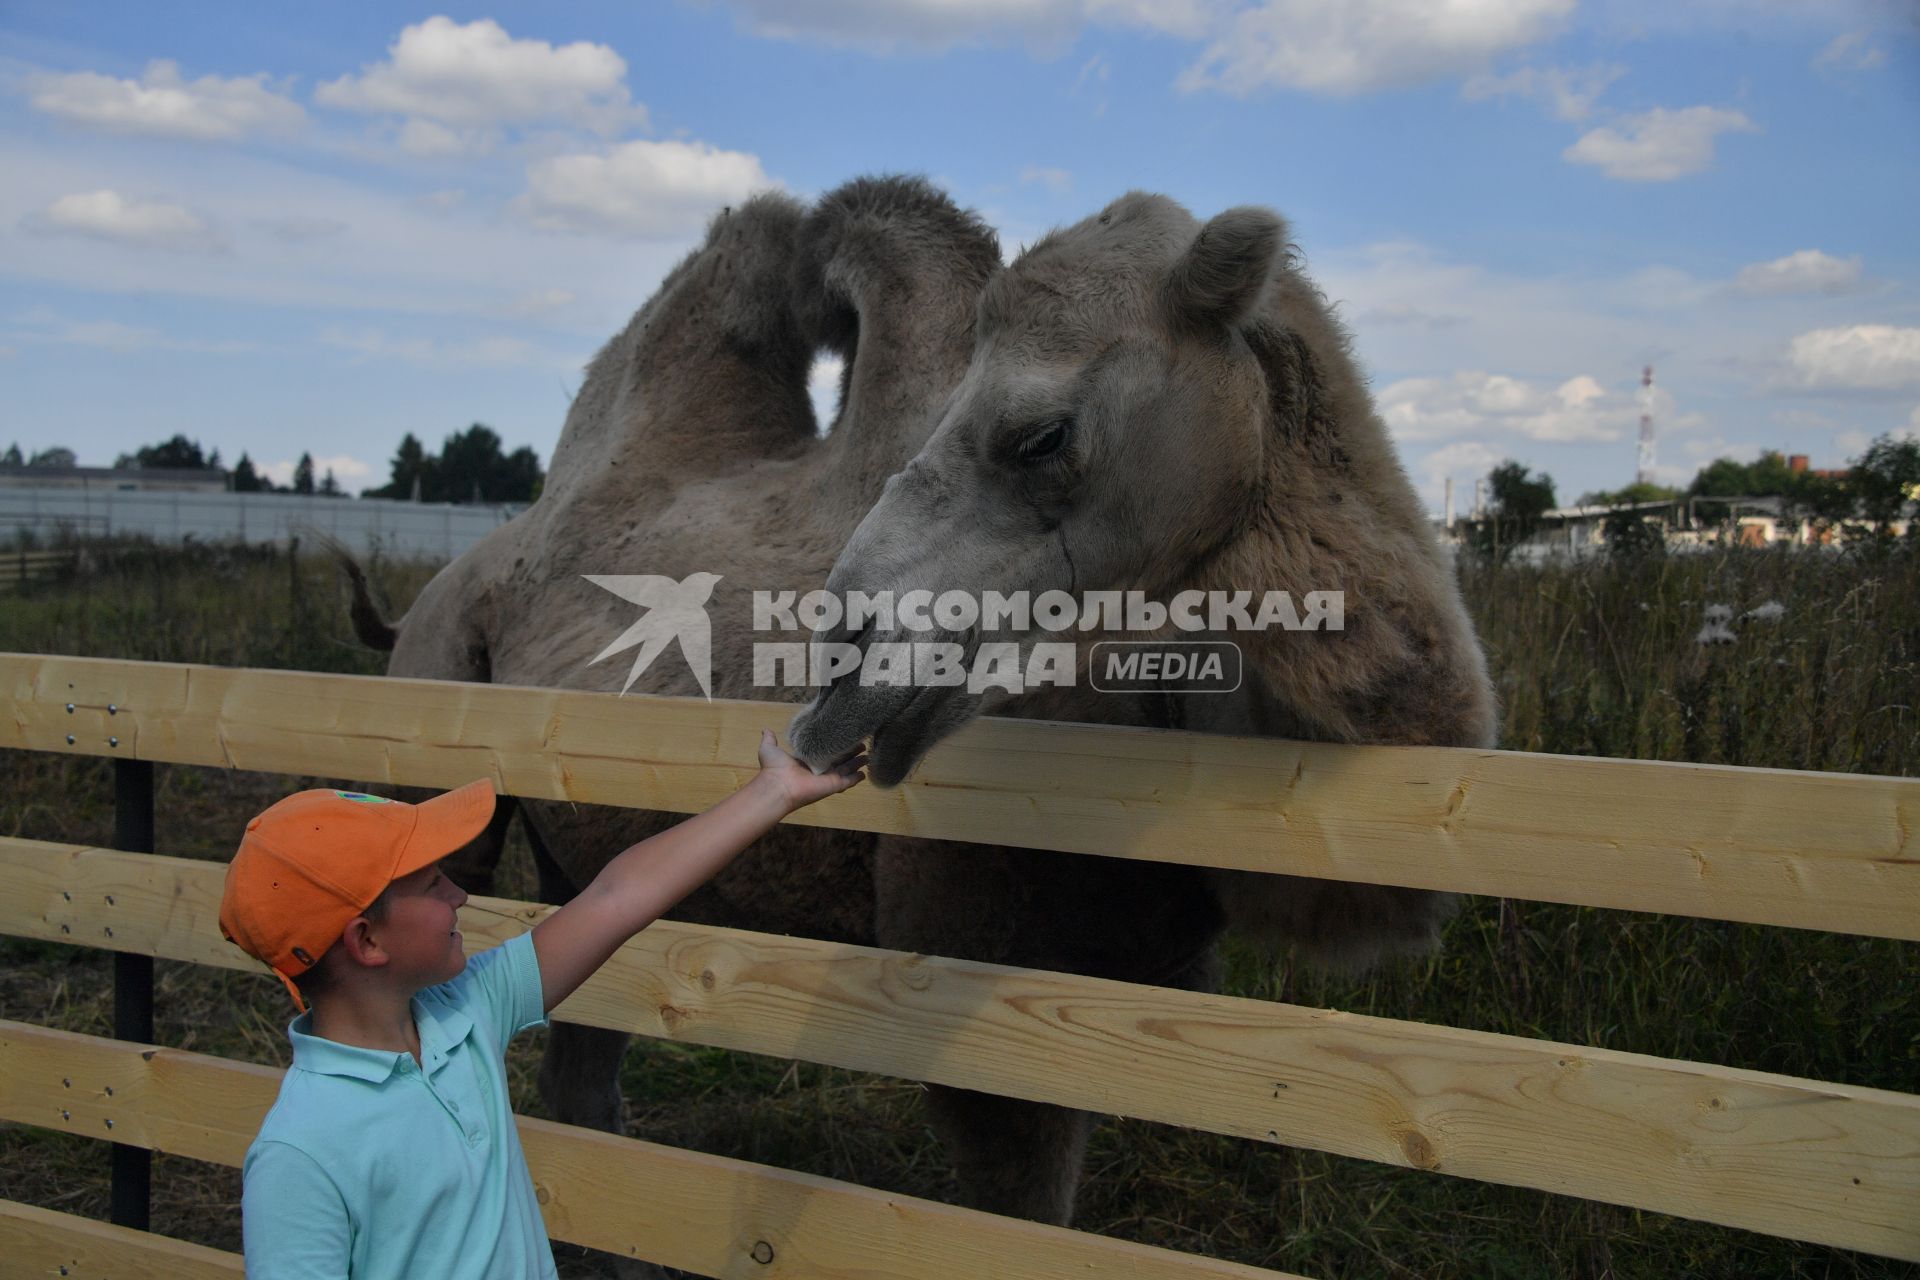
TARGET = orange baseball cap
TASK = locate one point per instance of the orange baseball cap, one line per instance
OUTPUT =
(315, 860)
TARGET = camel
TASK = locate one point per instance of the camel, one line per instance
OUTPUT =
(1137, 402)
(1158, 406)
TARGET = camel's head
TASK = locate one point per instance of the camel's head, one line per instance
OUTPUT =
(1107, 436)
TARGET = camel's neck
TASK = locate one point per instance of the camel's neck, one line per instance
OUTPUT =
(1404, 665)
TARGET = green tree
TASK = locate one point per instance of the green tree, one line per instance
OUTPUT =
(329, 487)
(1885, 478)
(1637, 492)
(1767, 476)
(1519, 499)
(471, 466)
(245, 478)
(467, 462)
(1632, 536)
(178, 453)
(13, 457)
(412, 467)
(303, 474)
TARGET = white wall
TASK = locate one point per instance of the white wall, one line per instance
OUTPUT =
(410, 529)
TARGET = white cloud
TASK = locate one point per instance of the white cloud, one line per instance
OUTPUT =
(1851, 51)
(1861, 357)
(431, 138)
(1188, 19)
(43, 325)
(475, 76)
(345, 468)
(1804, 271)
(162, 104)
(298, 228)
(1047, 26)
(1473, 402)
(646, 189)
(540, 302)
(497, 352)
(1362, 45)
(108, 215)
(1570, 91)
(1389, 314)
(1658, 145)
(1058, 181)
(1464, 461)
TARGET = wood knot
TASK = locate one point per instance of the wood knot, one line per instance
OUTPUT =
(762, 1252)
(1419, 1152)
(706, 979)
(913, 974)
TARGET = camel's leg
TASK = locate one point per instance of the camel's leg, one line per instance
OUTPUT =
(580, 1074)
(1138, 922)
(1024, 1158)
(1013, 1157)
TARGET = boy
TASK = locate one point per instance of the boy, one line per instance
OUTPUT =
(392, 1150)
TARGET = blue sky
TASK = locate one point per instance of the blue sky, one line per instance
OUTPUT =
(280, 229)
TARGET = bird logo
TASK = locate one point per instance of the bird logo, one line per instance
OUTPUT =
(674, 611)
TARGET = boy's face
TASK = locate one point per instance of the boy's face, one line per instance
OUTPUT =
(421, 932)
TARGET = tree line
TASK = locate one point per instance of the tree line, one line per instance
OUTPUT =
(1870, 494)
(472, 466)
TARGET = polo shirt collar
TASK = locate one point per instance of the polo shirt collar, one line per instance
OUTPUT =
(441, 1027)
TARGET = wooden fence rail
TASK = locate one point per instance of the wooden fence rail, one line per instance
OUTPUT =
(1821, 851)
(40, 1242)
(1835, 1164)
(17, 567)
(707, 1214)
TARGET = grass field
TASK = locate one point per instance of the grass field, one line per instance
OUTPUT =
(1598, 659)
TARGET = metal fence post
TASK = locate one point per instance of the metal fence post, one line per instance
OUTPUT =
(132, 986)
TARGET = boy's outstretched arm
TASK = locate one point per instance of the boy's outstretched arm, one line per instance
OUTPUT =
(644, 882)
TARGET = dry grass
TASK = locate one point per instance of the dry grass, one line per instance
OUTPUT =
(1582, 668)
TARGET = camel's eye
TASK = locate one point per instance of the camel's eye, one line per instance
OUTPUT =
(1045, 443)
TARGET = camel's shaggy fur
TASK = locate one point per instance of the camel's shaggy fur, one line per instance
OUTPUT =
(1220, 438)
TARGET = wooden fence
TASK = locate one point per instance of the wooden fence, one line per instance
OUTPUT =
(1815, 1161)
(23, 565)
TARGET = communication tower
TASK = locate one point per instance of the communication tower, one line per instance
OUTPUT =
(1643, 473)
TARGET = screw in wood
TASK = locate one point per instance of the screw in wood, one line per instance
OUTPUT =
(69, 739)
(112, 709)
(113, 742)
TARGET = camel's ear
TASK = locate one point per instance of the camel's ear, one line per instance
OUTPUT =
(1221, 275)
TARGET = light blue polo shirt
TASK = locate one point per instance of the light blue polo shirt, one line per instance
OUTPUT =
(372, 1167)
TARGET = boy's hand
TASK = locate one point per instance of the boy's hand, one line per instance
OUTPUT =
(796, 784)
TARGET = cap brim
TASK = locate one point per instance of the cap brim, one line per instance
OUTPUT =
(445, 823)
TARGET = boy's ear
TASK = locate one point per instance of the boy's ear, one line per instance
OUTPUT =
(361, 944)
